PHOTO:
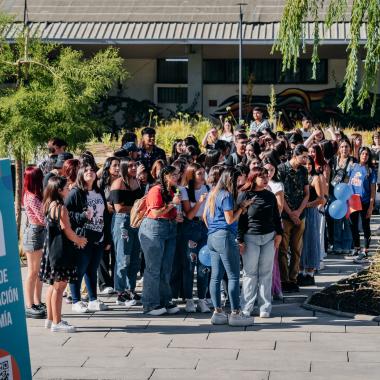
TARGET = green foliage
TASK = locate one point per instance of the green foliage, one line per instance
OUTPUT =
(365, 13)
(53, 91)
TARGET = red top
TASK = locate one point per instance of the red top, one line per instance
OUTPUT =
(154, 201)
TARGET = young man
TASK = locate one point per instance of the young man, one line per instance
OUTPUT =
(294, 176)
(307, 125)
(258, 124)
(55, 147)
(149, 151)
(238, 155)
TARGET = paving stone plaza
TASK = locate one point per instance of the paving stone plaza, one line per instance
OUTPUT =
(295, 344)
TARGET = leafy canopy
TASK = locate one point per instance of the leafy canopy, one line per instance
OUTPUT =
(51, 91)
(364, 14)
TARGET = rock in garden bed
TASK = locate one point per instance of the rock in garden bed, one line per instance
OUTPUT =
(350, 295)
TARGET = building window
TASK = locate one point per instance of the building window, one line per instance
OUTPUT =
(175, 95)
(171, 71)
(264, 71)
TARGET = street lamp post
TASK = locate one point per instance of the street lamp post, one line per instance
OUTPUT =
(241, 60)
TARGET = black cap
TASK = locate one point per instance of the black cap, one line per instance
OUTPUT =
(61, 159)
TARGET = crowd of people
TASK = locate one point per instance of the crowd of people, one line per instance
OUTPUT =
(256, 201)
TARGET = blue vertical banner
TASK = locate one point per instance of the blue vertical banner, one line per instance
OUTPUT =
(14, 348)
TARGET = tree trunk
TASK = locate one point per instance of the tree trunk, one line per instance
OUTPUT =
(18, 192)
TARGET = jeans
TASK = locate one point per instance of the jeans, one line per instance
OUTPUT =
(158, 239)
(342, 235)
(224, 258)
(196, 238)
(106, 269)
(292, 237)
(366, 226)
(127, 250)
(87, 262)
(179, 263)
(258, 261)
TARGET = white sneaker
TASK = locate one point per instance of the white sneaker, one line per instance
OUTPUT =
(62, 327)
(321, 265)
(79, 307)
(48, 323)
(240, 320)
(97, 305)
(203, 307)
(219, 318)
(362, 258)
(107, 291)
(264, 314)
(157, 311)
(190, 306)
(140, 282)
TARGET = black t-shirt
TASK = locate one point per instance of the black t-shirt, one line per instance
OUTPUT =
(262, 217)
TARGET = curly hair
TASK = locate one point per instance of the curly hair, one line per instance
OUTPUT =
(165, 189)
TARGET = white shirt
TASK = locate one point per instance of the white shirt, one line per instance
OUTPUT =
(96, 205)
(198, 193)
(275, 187)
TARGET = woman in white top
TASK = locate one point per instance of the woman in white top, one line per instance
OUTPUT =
(194, 193)
(227, 131)
(277, 188)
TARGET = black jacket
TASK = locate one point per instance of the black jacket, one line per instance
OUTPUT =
(76, 204)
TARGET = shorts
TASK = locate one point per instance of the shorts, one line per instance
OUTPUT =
(33, 238)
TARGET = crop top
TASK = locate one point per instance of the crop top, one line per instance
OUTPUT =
(125, 197)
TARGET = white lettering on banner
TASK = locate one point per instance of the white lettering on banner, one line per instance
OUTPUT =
(2, 238)
(5, 319)
(3, 276)
(8, 296)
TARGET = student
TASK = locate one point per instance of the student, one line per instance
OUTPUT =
(221, 216)
(124, 192)
(33, 240)
(157, 235)
(259, 235)
(363, 181)
(194, 194)
(89, 217)
(58, 264)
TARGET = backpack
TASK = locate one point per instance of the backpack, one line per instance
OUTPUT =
(138, 212)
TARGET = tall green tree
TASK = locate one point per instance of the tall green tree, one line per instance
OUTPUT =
(364, 14)
(48, 90)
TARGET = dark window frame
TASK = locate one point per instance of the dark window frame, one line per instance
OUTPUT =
(173, 73)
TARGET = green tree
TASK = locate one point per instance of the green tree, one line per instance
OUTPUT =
(49, 90)
(364, 14)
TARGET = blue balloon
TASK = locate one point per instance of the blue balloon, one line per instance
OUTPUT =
(204, 256)
(338, 209)
(343, 192)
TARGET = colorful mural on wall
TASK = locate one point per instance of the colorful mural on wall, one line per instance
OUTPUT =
(293, 103)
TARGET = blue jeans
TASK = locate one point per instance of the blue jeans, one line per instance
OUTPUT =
(224, 257)
(127, 251)
(258, 261)
(158, 239)
(87, 262)
(342, 235)
(195, 239)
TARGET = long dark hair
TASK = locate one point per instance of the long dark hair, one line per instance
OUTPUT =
(105, 179)
(175, 154)
(165, 190)
(313, 170)
(214, 174)
(212, 158)
(52, 189)
(125, 162)
(369, 162)
(227, 182)
(81, 183)
(188, 180)
(268, 161)
(319, 157)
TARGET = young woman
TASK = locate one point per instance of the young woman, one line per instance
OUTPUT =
(259, 235)
(311, 250)
(156, 168)
(250, 152)
(277, 188)
(33, 240)
(214, 175)
(210, 138)
(124, 192)
(58, 264)
(340, 235)
(363, 181)
(70, 170)
(89, 217)
(227, 131)
(110, 172)
(157, 236)
(178, 148)
(356, 144)
(221, 217)
(194, 193)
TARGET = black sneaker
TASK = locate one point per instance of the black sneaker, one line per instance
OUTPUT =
(41, 306)
(133, 295)
(309, 280)
(125, 299)
(301, 279)
(294, 288)
(286, 287)
(34, 312)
